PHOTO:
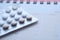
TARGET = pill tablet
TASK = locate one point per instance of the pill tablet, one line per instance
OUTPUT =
(8, 11)
(29, 18)
(14, 8)
(24, 16)
(12, 15)
(5, 26)
(19, 12)
(9, 21)
(21, 21)
(13, 24)
(4, 17)
(17, 18)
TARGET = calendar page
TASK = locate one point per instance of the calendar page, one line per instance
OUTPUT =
(48, 10)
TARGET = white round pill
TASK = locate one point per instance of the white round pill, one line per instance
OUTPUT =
(17, 18)
(8, 11)
(9, 21)
(24, 15)
(19, 12)
(14, 8)
(4, 17)
(12, 15)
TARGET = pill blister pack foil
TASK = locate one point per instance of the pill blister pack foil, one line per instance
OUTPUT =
(13, 18)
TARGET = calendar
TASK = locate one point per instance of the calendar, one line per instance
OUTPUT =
(13, 15)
